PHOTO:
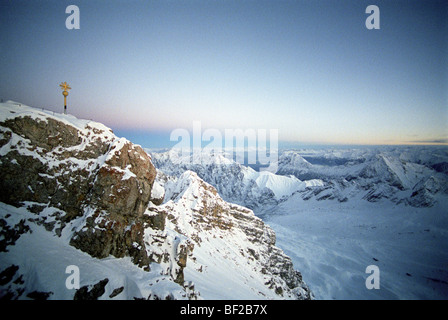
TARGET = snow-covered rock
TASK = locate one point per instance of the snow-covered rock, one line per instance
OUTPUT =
(70, 163)
(80, 167)
(241, 246)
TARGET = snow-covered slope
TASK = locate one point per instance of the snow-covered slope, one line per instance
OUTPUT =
(333, 242)
(383, 206)
(233, 249)
(34, 266)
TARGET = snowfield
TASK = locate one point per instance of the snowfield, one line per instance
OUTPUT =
(332, 244)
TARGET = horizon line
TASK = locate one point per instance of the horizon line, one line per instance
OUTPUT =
(155, 132)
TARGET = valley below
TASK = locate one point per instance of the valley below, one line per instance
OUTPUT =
(332, 244)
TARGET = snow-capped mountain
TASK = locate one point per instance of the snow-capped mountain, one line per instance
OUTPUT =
(234, 182)
(75, 196)
(398, 174)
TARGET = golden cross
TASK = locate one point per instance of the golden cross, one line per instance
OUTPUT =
(64, 86)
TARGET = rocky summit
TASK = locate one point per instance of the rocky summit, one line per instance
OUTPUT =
(81, 168)
(73, 196)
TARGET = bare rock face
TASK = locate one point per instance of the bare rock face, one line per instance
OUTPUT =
(104, 234)
(123, 184)
(48, 161)
(70, 180)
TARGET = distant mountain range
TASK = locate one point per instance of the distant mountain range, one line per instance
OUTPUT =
(415, 176)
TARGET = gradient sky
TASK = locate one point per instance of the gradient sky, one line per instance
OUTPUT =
(310, 69)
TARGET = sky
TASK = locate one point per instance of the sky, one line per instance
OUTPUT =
(307, 68)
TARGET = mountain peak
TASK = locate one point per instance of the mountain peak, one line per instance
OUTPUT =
(72, 185)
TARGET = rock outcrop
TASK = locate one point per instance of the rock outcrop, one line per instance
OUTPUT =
(83, 169)
(71, 167)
